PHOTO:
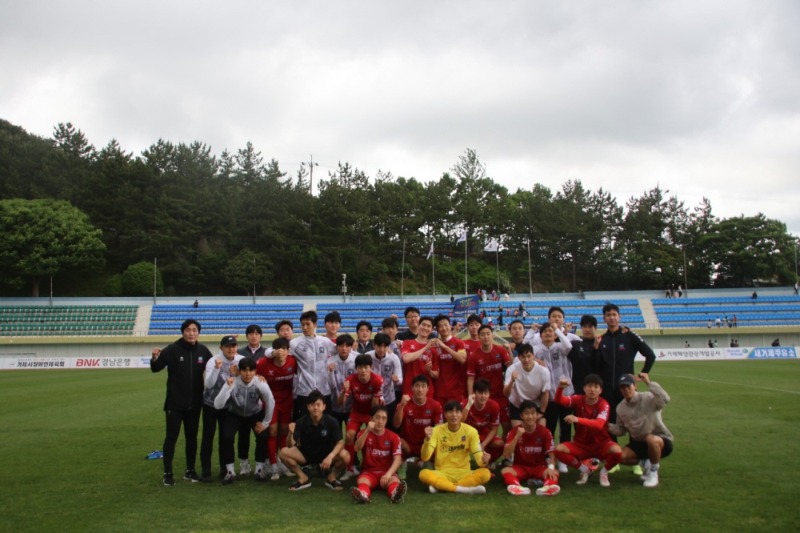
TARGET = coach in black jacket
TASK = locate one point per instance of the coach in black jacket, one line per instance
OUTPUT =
(617, 349)
(185, 361)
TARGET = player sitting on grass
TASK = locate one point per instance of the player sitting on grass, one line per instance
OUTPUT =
(364, 388)
(315, 439)
(483, 413)
(382, 457)
(530, 444)
(454, 443)
(591, 430)
(414, 415)
(639, 413)
(241, 396)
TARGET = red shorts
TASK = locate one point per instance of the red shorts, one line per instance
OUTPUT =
(371, 478)
(529, 472)
(582, 451)
(282, 414)
(356, 420)
(503, 403)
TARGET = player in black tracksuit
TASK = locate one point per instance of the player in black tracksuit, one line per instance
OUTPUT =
(185, 361)
(616, 350)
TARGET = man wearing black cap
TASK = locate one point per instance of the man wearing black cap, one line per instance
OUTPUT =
(218, 370)
(639, 414)
(185, 360)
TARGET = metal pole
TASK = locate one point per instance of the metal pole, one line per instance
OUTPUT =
(433, 275)
(685, 277)
(155, 279)
(497, 264)
(403, 269)
(465, 264)
(254, 280)
(530, 278)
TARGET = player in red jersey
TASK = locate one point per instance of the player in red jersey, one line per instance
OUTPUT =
(279, 371)
(364, 389)
(452, 356)
(483, 413)
(418, 356)
(473, 343)
(415, 414)
(530, 444)
(591, 430)
(489, 362)
(381, 458)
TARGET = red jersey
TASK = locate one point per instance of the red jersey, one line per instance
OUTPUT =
(472, 345)
(532, 448)
(418, 417)
(379, 451)
(279, 378)
(452, 382)
(485, 419)
(490, 366)
(593, 429)
(363, 393)
(417, 367)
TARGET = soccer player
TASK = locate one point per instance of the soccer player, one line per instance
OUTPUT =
(333, 322)
(530, 444)
(418, 356)
(279, 371)
(583, 355)
(526, 381)
(452, 356)
(617, 349)
(555, 316)
(340, 366)
(454, 443)
(639, 414)
(517, 330)
(553, 350)
(412, 324)
(218, 370)
(389, 326)
(241, 397)
(489, 362)
(473, 343)
(311, 353)
(315, 439)
(388, 366)
(184, 360)
(364, 337)
(591, 430)
(365, 389)
(414, 414)
(253, 348)
(381, 458)
(483, 413)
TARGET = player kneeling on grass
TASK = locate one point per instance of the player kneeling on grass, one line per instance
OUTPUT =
(530, 444)
(364, 387)
(591, 430)
(454, 443)
(241, 396)
(639, 414)
(315, 439)
(381, 458)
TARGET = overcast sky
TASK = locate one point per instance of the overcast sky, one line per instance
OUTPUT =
(701, 97)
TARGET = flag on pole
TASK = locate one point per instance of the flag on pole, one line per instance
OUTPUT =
(430, 252)
(492, 246)
(462, 238)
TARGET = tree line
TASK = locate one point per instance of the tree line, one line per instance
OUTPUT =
(235, 223)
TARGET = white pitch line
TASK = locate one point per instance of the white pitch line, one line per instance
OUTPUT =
(771, 389)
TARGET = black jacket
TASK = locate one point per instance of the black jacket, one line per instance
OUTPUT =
(185, 364)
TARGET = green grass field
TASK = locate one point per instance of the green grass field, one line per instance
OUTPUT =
(74, 442)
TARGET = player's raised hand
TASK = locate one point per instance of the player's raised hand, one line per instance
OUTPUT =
(234, 370)
(563, 383)
(331, 367)
(156, 352)
(217, 363)
(231, 379)
(428, 432)
(514, 376)
(597, 341)
(292, 425)
(346, 387)
(371, 425)
(405, 399)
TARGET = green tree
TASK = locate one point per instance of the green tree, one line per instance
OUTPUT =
(248, 271)
(137, 280)
(40, 238)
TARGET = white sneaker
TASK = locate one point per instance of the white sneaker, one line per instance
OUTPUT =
(645, 468)
(548, 490)
(651, 479)
(562, 468)
(480, 489)
(244, 467)
(518, 490)
(274, 473)
(432, 489)
(584, 477)
(284, 470)
(349, 473)
(604, 482)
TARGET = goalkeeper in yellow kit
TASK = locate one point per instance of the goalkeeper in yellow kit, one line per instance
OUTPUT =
(454, 443)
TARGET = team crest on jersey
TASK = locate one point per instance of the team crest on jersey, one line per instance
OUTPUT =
(324, 433)
(428, 411)
(621, 347)
(386, 443)
(181, 359)
(463, 438)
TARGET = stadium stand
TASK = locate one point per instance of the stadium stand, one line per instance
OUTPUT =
(700, 312)
(222, 319)
(573, 310)
(83, 320)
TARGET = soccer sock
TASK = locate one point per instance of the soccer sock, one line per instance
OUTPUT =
(654, 467)
(510, 479)
(392, 485)
(568, 459)
(613, 459)
(272, 450)
(365, 489)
